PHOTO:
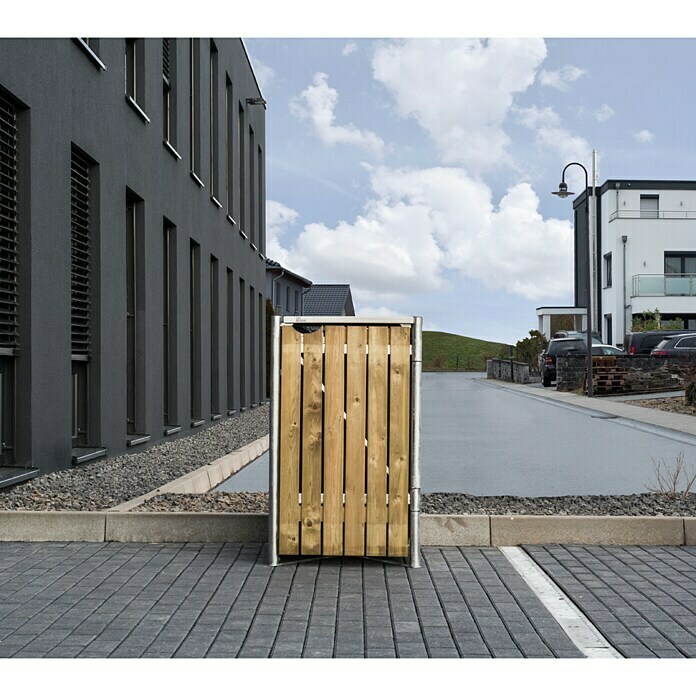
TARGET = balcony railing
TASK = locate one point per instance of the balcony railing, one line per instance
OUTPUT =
(664, 285)
(653, 214)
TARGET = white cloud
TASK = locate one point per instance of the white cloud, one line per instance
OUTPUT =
(561, 78)
(644, 136)
(460, 90)
(278, 218)
(550, 135)
(421, 223)
(317, 104)
(376, 312)
(349, 48)
(264, 75)
(604, 113)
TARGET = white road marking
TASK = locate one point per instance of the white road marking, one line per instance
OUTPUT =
(578, 627)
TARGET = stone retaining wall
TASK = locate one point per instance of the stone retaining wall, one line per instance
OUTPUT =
(646, 373)
(500, 369)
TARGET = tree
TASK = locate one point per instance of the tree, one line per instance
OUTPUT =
(528, 349)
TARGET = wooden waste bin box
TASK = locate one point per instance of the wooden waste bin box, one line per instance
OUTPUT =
(345, 437)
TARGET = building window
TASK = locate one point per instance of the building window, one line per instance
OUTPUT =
(214, 338)
(242, 344)
(298, 306)
(9, 229)
(80, 291)
(195, 331)
(214, 137)
(252, 186)
(649, 206)
(135, 315)
(242, 166)
(195, 110)
(608, 329)
(135, 73)
(169, 323)
(169, 92)
(230, 342)
(261, 195)
(287, 299)
(260, 307)
(229, 146)
(9, 214)
(680, 263)
(607, 270)
(253, 347)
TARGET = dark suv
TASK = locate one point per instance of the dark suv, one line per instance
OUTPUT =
(561, 346)
(642, 342)
(681, 344)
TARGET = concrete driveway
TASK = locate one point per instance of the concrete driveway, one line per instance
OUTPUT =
(482, 439)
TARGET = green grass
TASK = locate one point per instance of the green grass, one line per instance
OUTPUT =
(446, 351)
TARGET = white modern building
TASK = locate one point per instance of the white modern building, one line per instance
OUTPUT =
(646, 254)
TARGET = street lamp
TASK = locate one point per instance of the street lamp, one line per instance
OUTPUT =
(564, 193)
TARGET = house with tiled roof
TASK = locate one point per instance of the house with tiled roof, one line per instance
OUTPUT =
(323, 300)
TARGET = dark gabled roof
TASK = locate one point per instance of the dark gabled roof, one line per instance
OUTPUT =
(328, 300)
(273, 266)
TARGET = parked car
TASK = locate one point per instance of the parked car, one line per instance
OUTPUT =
(642, 342)
(596, 338)
(673, 346)
(569, 346)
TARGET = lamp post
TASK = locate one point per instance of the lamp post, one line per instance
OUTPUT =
(589, 195)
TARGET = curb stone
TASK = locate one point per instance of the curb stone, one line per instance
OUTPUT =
(436, 530)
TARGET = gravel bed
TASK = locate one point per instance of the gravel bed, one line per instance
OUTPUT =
(653, 504)
(108, 482)
(674, 404)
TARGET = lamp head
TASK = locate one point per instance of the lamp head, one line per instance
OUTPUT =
(563, 191)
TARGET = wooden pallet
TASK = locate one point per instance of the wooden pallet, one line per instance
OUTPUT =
(607, 376)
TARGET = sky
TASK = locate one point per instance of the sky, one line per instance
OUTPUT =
(420, 170)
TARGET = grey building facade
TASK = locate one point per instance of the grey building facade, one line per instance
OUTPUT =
(132, 228)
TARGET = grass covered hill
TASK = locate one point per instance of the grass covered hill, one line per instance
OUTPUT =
(446, 351)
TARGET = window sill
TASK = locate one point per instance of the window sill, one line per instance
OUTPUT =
(172, 430)
(197, 423)
(261, 256)
(216, 201)
(171, 149)
(90, 53)
(137, 440)
(241, 231)
(231, 220)
(216, 416)
(9, 352)
(137, 108)
(253, 246)
(231, 413)
(196, 178)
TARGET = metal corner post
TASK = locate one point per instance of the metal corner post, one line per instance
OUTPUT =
(273, 559)
(416, 368)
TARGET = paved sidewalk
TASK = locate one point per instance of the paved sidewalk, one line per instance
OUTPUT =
(643, 600)
(650, 416)
(221, 600)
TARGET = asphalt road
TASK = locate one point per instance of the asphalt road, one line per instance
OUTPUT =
(487, 440)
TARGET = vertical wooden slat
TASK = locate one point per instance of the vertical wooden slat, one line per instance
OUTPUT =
(289, 446)
(334, 425)
(399, 422)
(355, 442)
(311, 443)
(377, 410)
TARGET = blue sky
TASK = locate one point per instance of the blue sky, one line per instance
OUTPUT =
(419, 170)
